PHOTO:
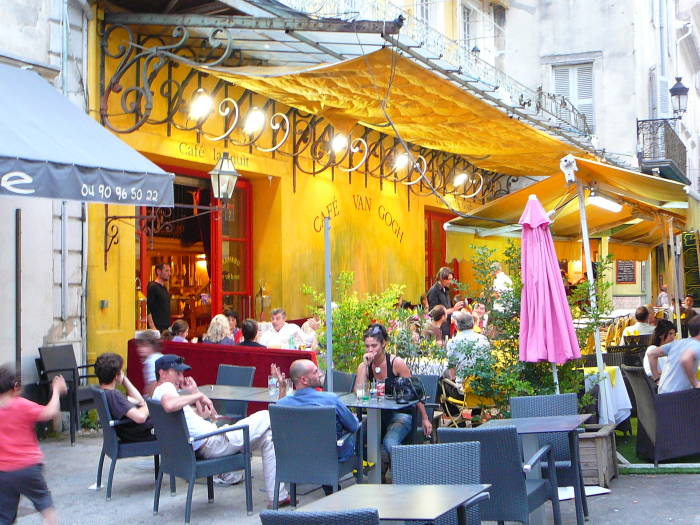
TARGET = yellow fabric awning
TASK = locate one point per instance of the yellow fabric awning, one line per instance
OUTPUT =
(426, 109)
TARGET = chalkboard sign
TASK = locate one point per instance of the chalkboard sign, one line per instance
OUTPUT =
(690, 260)
(626, 272)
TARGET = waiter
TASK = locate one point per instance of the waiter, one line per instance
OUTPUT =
(439, 294)
(158, 299)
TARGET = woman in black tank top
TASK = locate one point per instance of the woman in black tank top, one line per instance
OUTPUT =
(377, 364)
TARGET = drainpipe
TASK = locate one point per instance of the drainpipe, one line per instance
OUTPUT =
(65, 29)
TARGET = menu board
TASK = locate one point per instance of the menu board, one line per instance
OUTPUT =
(690, 266)
(626, 272)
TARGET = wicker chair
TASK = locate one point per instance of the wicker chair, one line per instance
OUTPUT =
(667, 422)
(341, 517)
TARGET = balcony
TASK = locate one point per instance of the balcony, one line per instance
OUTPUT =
(660, 147)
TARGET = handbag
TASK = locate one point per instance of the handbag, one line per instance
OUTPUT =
(407, 389)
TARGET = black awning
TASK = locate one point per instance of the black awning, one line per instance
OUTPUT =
(50, 148)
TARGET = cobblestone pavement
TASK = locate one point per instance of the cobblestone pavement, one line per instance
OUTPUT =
(70, 471)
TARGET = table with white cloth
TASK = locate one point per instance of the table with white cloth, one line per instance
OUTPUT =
(615, 403)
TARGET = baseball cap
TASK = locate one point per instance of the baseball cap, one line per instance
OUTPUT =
(171, 361)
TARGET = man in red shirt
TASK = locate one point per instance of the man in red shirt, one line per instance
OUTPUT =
(20, 457)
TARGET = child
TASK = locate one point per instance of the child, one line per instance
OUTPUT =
(20, 457)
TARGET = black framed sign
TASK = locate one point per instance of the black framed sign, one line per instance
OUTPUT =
(626, 272)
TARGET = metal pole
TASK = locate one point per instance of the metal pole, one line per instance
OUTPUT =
(592, 296)
(18, 292)
(329, 311)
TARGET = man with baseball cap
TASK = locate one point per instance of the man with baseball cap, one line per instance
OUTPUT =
(198, 408)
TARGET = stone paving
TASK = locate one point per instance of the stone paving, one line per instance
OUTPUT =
(70, 471)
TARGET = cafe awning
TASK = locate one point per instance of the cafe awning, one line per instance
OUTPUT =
(645, 201)
(427, 109)
(50, 148)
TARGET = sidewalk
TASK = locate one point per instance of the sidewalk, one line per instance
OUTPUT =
(637, 500)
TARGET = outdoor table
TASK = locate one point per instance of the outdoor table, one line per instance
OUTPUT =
(619, 406)
(374, 409)
(423, 503)
(237, 393)
(529, 428)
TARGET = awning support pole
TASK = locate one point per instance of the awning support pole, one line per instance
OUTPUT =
(605, 417)
(329, 310)
(18, 293)
(675, 281)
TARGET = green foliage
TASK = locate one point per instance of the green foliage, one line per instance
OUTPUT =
(89, 420)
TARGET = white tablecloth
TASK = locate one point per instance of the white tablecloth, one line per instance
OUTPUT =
(614, 405)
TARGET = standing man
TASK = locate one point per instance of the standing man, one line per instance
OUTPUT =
(663, 300)
(501, 283)
(439, 294)
(158, 299)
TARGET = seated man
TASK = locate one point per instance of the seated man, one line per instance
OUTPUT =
(465, 347)
(198, 408)
(249, 328)
(280, 333)
(108, 368)
(641, 327)
(680, 370)
(307, 379)
(687, 313)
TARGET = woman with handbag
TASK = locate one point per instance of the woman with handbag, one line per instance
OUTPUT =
(380, 366)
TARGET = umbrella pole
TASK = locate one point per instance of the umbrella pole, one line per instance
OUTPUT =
(605, 418)
(329, 310)
(555, 375)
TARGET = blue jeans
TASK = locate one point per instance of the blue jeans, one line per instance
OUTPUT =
(398, 427)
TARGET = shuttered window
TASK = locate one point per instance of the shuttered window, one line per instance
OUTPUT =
(575, 82)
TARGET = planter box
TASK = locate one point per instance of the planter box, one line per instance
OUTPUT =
(598, 454)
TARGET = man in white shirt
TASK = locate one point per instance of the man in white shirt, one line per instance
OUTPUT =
(468, 345)
(641, 327)
(279, 333)
(681, 368)
(501, 283)
(663, 300)
(198, 408)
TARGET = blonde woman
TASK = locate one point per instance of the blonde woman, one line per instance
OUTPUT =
(219, 331)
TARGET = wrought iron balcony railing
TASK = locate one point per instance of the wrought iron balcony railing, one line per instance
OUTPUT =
(660, 147)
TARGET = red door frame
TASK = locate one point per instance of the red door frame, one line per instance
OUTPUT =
(217, 293)
(430, 217)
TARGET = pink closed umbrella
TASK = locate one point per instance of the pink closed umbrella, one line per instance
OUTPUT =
(546, 327)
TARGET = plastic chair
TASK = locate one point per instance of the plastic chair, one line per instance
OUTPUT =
(60, 359)
(305, 436)
(342, 382)
(553, 405)
(178, 458)
(443, 464)
(341, 517)
(113, 447)
(667, 422)
(232, 375)
(512, 496)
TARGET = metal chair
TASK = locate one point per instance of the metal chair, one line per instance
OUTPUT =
(178, 457)
(667, 426)
(452, 401)
(512, 496)
(443, 464)
(305, 436)
(115, 449)
(342, 382)
(341, 517)
(232, 375)
(554, 405)
(60, 359)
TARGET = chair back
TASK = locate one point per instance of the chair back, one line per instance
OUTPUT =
(639, 340)
(551, 405)
(60, 358)
(339, 517)
(305, 436)
(444, 464)
(501, 466)
(177, 454)
(430, 384)
(232, 375)
(110, 442)
(343, 382)
(644, 396)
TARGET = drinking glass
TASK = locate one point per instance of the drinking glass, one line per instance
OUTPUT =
(273, 387)
(289, 386)
(362, 391)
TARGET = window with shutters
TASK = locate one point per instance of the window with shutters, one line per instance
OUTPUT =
(423, 11)
(467, 21)
(575, 82)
